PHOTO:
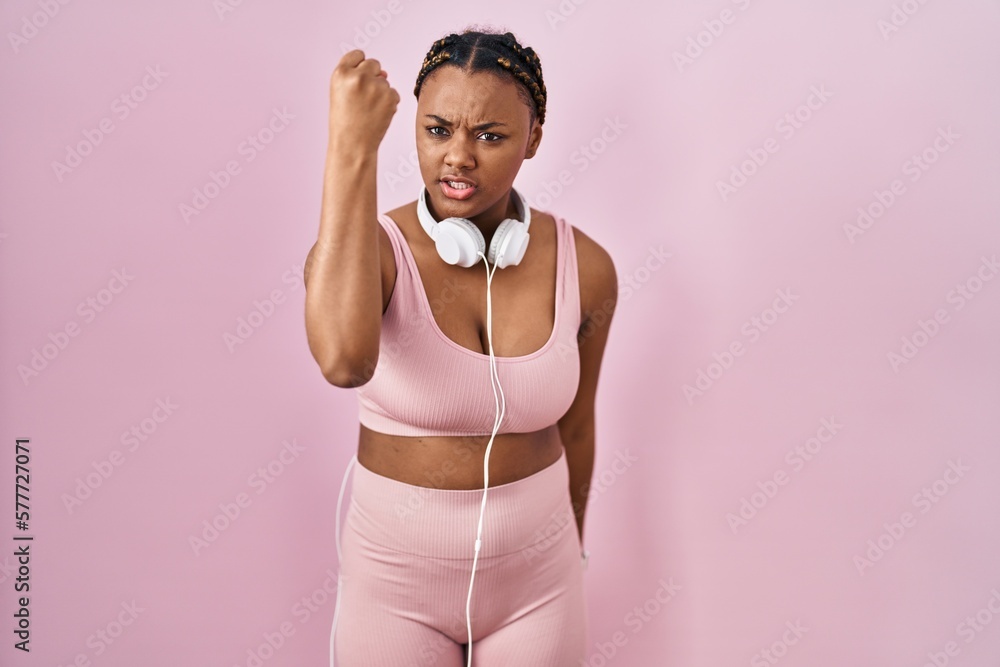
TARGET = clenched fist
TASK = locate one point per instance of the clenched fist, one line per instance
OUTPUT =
(362, 103)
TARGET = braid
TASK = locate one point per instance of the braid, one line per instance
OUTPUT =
(532, 80)
(491, 52)
(435, 57)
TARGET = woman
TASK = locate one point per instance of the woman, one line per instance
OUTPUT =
(446, 533)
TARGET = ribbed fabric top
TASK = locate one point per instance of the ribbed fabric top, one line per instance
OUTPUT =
(427, 384)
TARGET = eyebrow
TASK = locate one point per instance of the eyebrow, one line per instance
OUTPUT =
(448, 123)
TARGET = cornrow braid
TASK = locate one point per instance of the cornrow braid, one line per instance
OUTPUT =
(477, 51)
(434, 57)
(532, 80)
(527, 54)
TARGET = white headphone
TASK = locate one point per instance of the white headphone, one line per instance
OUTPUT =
(459, 241)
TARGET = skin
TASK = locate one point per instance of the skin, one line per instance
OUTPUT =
(522, 295)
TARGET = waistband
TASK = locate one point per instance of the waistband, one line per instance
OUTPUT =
(529, 513)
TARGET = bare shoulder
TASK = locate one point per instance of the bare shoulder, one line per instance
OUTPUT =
(385, 244)
(388, 258)
(598, 276)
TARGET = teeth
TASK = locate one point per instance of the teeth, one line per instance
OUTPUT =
(458, 186)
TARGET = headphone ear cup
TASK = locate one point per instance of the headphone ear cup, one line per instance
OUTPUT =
(509, 243)
(460, 241)
(500, 238)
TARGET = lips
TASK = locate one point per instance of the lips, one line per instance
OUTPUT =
(458, 193)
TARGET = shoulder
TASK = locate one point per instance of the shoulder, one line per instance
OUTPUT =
(598, 275)
(402, 218)
(387, 256)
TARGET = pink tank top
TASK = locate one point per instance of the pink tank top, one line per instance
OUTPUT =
(426, 384)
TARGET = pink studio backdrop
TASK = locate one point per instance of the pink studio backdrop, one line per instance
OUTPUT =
(798, 410)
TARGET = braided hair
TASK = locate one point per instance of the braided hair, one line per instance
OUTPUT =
(478, 51)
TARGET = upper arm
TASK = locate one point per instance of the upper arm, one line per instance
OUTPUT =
(598, 300)
(387, 262)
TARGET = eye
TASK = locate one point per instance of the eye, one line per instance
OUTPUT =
(431, 131)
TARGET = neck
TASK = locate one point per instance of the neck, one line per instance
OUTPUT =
(487, 221)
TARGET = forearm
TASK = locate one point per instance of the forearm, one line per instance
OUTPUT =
(344, 287)
(580, 459)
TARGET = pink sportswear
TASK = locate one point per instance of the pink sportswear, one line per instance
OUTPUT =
(426, 384)
(407, 557)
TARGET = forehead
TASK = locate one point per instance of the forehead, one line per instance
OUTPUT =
(449, 91)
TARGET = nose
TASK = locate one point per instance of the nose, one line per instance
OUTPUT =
(459, 154)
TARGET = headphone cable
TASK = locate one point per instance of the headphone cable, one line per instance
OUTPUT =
(501, 408)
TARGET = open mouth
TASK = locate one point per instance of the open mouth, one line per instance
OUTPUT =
(457, 190)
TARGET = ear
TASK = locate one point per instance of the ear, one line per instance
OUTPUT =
(534, 138)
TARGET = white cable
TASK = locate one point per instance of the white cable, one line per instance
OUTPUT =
(501, 408)
(340, 560)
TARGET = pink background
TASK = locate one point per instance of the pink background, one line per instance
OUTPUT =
(673, 131)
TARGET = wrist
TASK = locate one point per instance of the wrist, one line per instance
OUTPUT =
(349, 161)
(338, 147)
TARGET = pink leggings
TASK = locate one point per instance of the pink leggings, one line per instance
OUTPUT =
(406, 563)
